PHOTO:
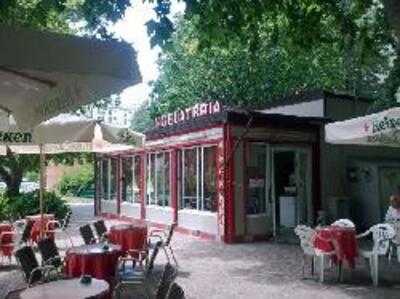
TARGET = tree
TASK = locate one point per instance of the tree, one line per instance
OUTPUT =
(92, 16)
(358, 27)
(141, 119)
(239, 73)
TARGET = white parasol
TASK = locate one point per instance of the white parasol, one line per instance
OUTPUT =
(66, 133)
(44, 74)
(379, 129)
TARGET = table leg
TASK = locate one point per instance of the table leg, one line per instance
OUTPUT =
(340, 271)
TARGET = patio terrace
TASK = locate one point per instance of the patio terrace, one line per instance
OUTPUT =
(257, 270)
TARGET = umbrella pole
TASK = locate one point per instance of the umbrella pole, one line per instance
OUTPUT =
(41, 189)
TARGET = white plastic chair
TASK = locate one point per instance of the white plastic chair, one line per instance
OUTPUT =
(395, 242)
(307, 236)
(381, 235)
(344, 223)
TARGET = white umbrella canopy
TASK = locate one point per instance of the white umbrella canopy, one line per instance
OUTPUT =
(379, 129)
(43, 74)
(67, 133)
(61, 134)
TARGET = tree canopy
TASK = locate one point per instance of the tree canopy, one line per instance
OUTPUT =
(343, 45)
(254, 70)
(58, 15)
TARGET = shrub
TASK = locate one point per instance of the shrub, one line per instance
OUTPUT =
(28, 204)
(5, 213)
(70, 184)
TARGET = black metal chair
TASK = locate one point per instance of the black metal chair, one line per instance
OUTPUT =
(101, 229)
(15, 294)
(87, 234)
(175, 292)
(167, 278)
(165, 236)
(30, 266)
(55, 226)
(136, 275)
(26, 233)
(49, 252)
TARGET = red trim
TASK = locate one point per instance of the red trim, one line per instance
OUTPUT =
(184, 132)
(245, 185)
(119, 184)
(109, 215)
(96, 186)
(229, 188)
(173, 183)
(197, 142)
(142, 183)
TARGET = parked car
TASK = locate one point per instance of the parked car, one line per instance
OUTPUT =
(28, 187)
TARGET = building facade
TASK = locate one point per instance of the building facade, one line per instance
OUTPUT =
(237, 175)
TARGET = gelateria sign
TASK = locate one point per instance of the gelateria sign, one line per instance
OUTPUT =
(15, 137)
(188, 114)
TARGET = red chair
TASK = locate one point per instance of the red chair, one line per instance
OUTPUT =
(7, 243)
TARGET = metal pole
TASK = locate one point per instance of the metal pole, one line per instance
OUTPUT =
(41, 190)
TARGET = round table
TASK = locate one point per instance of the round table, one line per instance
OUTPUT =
(6, 240)
(37, 223)
(67, 289)
(341, 240)
(92, 260)
(129, 236)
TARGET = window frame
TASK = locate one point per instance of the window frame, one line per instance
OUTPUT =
(200, 150)
(153, 202)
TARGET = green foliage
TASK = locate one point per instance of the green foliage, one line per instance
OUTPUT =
(72, 183)
(32, 176)
(28, 204)
(141, 119)
(355, 33)
(239, 74)
(58, 15)
(5, 213)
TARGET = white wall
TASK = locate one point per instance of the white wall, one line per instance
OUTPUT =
(130, 210)
(156, 214)
(109, 206)
(198, 221)
(310, 109)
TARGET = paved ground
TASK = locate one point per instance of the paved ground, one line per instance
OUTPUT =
(258, 270)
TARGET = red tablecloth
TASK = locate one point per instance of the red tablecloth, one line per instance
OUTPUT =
(340, 240)
(92, 260)
(36, 219)
(129, 236)
(6, 240)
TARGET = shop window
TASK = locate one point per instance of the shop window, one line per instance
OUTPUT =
(136, 179)
(130, 179)
(158, 179)
(256, 174)
(109, 179)
(198, 177)
(113, 179)
(104, 179)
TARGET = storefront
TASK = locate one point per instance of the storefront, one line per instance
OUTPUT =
(221, 174)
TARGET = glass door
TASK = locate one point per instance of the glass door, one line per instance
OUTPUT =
(291, 182)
